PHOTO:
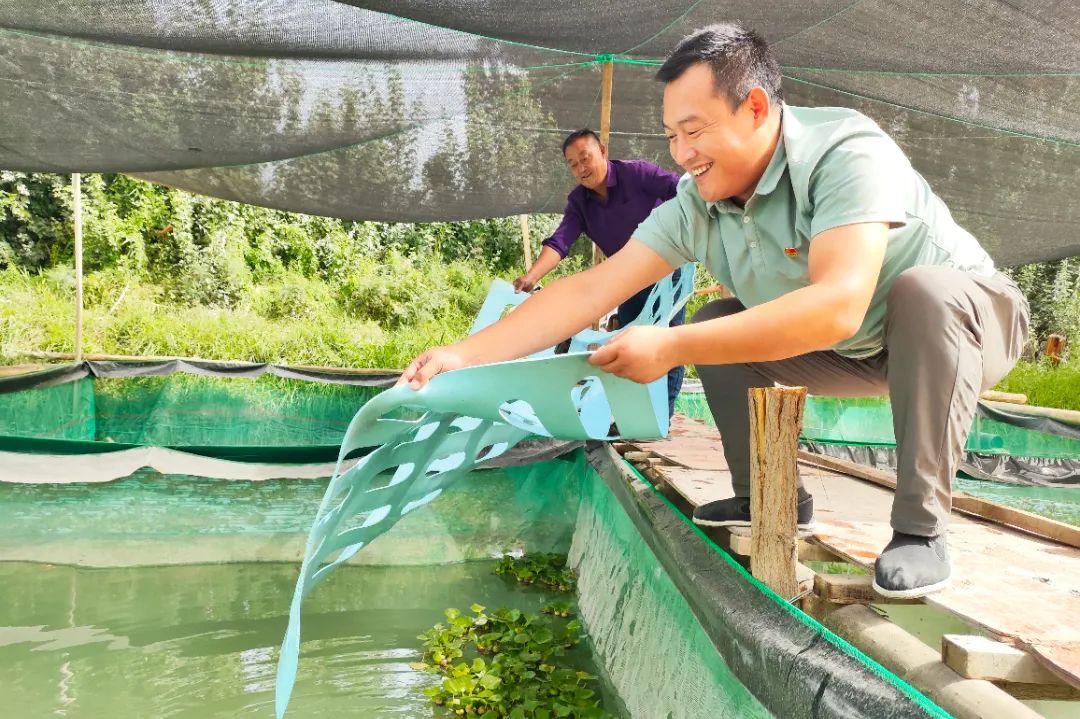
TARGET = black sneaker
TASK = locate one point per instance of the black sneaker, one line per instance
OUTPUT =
(912, 566)
(735, 512)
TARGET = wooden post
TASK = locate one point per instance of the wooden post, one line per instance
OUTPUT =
(775, 422)
(76, 192)
(526, 246)
(605, 128)
(714, 290)
(1055, 349)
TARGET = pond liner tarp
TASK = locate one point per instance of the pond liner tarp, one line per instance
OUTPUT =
(97, 421)
(1005, 447)
(1001, 468)
(114, 369)
(797, 668)
(279, 414)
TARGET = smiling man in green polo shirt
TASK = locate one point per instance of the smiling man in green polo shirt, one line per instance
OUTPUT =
(850, 278)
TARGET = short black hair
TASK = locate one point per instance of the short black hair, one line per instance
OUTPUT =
(740, 60)
(577, 135)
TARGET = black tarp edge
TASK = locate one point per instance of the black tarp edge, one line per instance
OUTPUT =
(1000, 468)
(793, 668)
(117, 369)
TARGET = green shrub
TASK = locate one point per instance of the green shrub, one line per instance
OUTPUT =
(293, 297)
(1052, 290)
(395, 290)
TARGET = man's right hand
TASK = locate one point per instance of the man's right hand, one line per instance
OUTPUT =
(432, 362)
(524, 284)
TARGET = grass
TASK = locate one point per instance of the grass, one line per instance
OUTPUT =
(36, 314)
(298, 321)
(1044, 385)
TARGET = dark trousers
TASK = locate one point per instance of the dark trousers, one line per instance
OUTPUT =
(628, 312)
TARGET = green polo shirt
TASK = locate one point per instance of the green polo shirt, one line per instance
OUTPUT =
(832, 167)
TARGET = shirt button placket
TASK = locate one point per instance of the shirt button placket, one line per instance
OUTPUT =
(751, 240)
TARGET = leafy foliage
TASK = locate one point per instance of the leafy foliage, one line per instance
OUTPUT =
(549, 570)
(1045, 385)
(168, 234)
(170, 273)
(558, 609)
(525, 677)
(1053, 293)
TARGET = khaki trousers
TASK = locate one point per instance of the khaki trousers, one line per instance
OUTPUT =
(948, 336)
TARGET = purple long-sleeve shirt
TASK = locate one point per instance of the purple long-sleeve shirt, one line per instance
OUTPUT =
(634, 188)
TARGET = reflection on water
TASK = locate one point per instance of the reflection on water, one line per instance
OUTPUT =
(202, 641)
(1059, 503)
(150, 518)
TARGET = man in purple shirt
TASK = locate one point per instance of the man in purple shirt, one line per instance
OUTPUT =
(612, 198)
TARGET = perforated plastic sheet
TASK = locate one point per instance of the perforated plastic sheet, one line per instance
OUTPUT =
(469, 416)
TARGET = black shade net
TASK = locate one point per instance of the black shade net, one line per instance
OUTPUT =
(417, 110)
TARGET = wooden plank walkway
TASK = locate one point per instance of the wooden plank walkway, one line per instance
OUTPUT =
(1019, 588)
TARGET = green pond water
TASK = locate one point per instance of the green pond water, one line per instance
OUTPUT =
(166, 596)
(202, 641)
(115, 637)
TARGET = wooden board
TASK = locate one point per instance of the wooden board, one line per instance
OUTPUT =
(1021, 589)
(691, 443)
(975, 657)
(995, 573)
(852, 589)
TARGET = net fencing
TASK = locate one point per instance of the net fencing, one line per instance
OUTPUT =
(1005, 447)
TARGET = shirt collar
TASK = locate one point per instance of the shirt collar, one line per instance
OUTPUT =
(777, 163)
(611, 181)
(789, 126)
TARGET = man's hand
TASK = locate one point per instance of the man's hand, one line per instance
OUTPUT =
(640, 353)
(432, 362)
(544, 264)
(524, 284)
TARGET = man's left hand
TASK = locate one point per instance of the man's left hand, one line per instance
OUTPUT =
(640, 353)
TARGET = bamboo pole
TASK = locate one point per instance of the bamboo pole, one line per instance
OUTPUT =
(1008, 397)
(775, 422)
(526, 246)
(605, 128)
(1069, 416)
(921, 666)
(76, 192)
